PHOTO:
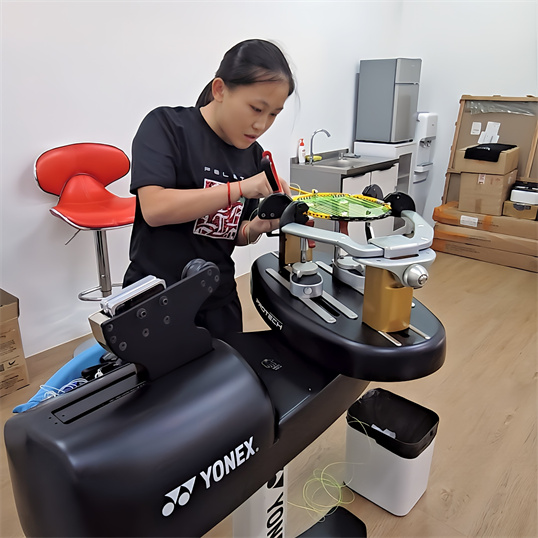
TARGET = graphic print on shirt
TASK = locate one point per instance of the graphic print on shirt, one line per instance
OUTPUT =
(224, 223)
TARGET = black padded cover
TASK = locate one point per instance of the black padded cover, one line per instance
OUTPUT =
(122, 456)
(487, 152)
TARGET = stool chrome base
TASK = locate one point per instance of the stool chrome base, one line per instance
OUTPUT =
(105, 286)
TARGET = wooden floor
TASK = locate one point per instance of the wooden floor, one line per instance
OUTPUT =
(483, 480)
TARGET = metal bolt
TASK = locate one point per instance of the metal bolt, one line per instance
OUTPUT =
(141, 313)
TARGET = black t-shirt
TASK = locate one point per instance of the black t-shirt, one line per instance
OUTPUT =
(176, 148)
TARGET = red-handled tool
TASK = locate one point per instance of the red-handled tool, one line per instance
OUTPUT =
(272, 206)
(268, 166)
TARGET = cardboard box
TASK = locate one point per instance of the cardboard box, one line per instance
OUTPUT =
(514, 121)
(520, 211)
(491, 255)
(508, 161)
(516, 118)
(13, 368)
(481, 238)
(485, 193)
(525, 192)
(450, 214)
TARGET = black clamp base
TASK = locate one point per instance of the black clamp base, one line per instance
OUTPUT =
(338, 524)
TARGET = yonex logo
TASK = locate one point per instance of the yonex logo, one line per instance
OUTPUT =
(214, 473)
(180, 495)
(275, 513)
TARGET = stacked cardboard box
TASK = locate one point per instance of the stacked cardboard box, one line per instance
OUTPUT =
(486, 185)
(523, 203)
(485, 193)
(476, 219)
(13, 370)
(520, 210)
(501, 240)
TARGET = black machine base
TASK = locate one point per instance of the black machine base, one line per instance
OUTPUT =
(338, 524)
(345, 344)
(190, 427)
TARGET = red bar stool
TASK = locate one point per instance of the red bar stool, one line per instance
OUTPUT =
(78, 174)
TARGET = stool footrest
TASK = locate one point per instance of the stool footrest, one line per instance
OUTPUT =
(85, 295)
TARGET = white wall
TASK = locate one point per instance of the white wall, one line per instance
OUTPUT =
(473, 48)
(90, 70)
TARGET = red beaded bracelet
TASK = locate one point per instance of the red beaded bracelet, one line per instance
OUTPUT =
(240, 191)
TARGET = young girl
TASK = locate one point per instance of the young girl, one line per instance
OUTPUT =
(197, 178)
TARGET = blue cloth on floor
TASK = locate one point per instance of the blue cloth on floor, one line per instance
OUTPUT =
(67, 373)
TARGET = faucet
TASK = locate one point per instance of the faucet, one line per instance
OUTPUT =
(312, 142)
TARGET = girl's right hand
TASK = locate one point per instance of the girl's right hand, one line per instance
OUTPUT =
(256, 186)
(261, 187)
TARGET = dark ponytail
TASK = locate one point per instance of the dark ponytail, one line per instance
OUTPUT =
(250, 62)
(206, 96)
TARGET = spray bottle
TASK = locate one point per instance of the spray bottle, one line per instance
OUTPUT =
(301, 152)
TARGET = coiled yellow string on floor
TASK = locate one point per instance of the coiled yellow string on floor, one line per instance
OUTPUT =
(323, 493)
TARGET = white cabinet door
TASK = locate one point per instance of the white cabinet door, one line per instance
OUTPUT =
(355, 185)
(386, 179)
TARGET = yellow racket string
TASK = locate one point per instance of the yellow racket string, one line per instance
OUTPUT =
(323, 493)
(324, 484)
(328, 205)
(298, 189)
(344, 206)
(304, 194)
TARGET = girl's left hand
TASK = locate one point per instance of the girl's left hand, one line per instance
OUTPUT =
(259, 226)
(252, 229)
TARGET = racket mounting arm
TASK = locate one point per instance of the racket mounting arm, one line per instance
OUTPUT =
(332, 238)
(405, 256)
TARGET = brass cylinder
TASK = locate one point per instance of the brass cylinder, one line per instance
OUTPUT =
(290, 248)
(387, 303)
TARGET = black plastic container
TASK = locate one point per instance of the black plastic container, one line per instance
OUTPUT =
(414, 425)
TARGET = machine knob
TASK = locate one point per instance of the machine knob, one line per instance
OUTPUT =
(415, 276)
(306, 287)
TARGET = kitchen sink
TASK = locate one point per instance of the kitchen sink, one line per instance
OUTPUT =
(345, 165)
(345, 162)
(350, 165)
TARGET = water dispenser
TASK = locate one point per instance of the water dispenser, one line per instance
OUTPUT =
(425, 134)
